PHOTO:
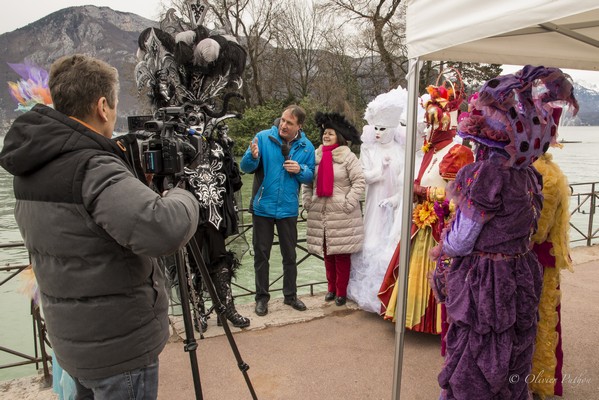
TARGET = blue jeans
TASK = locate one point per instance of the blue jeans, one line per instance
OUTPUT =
(137, 384)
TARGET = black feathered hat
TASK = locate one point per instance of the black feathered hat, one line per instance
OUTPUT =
(339, 124)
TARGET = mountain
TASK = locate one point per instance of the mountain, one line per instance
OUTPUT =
(112, 36)
(97, 31)
(588, 100)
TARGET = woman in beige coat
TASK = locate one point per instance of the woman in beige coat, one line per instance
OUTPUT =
(335, 227)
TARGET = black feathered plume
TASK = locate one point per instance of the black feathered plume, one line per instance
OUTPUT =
(337, 122)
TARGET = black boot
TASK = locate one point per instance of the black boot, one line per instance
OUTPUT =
(222, 283)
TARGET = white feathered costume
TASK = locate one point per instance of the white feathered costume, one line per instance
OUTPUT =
(382, 156)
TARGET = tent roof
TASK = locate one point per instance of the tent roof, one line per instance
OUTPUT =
(558, 33)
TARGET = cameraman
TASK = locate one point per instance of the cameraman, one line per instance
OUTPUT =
(92, 230)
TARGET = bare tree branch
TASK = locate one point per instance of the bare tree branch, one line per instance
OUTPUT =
(377, 15)
(300, 35)
(251, 23)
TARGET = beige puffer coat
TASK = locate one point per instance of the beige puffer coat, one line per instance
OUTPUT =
(338, 217)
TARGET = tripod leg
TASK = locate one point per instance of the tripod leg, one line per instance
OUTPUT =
(222, 282)
(190, 341)
(243, 367)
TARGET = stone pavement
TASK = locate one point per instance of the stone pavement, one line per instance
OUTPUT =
(343, 353)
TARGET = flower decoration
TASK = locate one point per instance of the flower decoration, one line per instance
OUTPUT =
(32, 88)
(426, 147)
(444, 211)
(424, 214)
(444, 98)
(440, 94)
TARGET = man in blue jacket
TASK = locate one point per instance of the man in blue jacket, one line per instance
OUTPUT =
(282, 158)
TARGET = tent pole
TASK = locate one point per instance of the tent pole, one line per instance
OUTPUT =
(402, 280)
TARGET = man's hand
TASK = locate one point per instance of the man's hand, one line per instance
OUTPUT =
(149, 178)
(254, 148)
(292, 167)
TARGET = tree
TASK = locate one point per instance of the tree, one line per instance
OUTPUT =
(343, 83)
(379, 22)
(299, 35)
(250, 21)
(255, 119)
(473, 74)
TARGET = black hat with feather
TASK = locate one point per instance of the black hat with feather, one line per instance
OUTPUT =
(339, 124)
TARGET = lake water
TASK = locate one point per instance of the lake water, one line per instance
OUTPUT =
(578, 159)
(15, 320)
(579, 162)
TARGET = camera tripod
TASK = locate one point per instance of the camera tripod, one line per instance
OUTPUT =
(190, 344)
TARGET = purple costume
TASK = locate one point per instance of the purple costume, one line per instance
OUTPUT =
(493, 291)
(492, 285)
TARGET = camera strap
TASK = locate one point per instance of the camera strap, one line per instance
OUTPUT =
(131, 155)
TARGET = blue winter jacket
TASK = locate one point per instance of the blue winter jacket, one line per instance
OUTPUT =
(277, 194)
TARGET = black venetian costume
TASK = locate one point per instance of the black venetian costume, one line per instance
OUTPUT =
(173, 67)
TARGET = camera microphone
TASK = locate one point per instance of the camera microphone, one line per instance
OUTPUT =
(285, 150)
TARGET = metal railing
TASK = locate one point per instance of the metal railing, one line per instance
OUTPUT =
(40, 355)
(245, 227)
(584, 202)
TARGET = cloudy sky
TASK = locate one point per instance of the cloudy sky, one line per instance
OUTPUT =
(36, 9)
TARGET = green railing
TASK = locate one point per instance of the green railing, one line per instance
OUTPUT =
(241, 291)
(303, 254)
(583, 206)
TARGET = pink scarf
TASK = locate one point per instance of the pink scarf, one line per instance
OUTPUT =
(326, 177)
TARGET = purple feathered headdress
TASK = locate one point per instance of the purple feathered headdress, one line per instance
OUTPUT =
(520, 112)
(32, 88)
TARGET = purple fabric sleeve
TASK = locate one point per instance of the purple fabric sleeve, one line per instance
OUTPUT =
(477, 189)
(462, 236)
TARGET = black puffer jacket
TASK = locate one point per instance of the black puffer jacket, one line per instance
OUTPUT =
(93, 229)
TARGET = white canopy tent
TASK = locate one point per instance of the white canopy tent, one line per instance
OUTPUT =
(556, 33)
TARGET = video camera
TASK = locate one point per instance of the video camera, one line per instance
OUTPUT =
(170, 144)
